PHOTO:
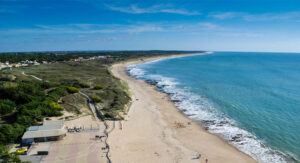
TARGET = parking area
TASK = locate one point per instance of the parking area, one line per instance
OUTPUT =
(84, 142)
(79, 147)
(82, 146)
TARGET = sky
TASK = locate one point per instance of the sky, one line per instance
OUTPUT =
(213, 25)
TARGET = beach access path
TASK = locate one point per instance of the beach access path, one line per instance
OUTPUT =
(154, 130)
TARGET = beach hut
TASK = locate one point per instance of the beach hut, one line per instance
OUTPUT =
(49, 131)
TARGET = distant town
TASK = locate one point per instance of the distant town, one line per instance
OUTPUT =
(25, 63)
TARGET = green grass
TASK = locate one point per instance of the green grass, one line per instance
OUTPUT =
(114, 93)
(75, 103)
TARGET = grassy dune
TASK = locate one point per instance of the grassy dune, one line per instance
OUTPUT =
(114, 93)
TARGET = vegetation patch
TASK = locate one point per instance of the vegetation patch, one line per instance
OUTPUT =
(55, 106)
(6, 106)
(97, 87)
(73, 90)
(96, 99)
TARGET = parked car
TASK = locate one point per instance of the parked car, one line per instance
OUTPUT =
(22, 151)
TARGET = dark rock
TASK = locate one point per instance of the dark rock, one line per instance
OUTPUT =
(236, 139)
(151, 82)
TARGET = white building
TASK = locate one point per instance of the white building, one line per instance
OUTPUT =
(49, 131)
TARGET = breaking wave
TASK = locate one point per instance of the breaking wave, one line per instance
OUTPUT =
(203, 111)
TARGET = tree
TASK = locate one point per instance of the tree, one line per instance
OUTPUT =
(6, 106)
(7, 134)
(24, 120)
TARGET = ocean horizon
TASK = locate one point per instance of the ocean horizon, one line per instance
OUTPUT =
(251, 100)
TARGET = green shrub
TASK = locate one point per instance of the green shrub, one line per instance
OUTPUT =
(6, 106)
(84, 85)
(55, 106)
(96, 99)
(56, 93)
(97, 87)
(72, 90)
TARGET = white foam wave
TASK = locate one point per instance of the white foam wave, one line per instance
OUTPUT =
(135, 72)
(200, 109)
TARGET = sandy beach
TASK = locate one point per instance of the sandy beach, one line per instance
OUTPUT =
(156, 131)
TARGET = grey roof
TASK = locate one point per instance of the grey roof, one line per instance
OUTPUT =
(48, 129)
(33, 128)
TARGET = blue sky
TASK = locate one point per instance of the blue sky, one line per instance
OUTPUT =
(215, 25)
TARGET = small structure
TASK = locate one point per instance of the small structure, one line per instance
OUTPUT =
(101, 57)
(16, 65)
(36, 63)
(49, 131)
(43, 149)
(1, 65)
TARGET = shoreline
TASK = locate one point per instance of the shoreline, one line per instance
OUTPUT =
(156, 131)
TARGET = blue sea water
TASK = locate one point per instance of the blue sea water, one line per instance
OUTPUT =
(251, 100)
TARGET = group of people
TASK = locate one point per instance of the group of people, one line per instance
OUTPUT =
(74, 129)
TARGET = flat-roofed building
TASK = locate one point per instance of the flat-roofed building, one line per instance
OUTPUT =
(49, 131)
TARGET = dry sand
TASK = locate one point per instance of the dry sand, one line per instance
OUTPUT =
(156, 131)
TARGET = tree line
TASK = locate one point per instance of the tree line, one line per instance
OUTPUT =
(66, 56)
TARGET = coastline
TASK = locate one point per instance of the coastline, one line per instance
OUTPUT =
(156, 131)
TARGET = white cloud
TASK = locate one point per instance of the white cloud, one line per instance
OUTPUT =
(256, 17)
(208, 25)
(239, 34)
(272, 16)
(134, 9)
(114, 28)
(85, 29)
(224, 15)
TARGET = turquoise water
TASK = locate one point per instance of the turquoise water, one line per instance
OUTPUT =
(252, 100)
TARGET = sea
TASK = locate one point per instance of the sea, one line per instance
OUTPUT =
(251, 100)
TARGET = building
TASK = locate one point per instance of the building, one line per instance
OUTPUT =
(16, 65)
(36, 63)
(49, 131)
(101, 57)
(92, 58)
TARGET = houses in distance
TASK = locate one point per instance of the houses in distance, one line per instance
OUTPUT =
(23, 63)
(79, 59)
(32, 63)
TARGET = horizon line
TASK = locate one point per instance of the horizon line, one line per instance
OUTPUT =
(47, 51)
